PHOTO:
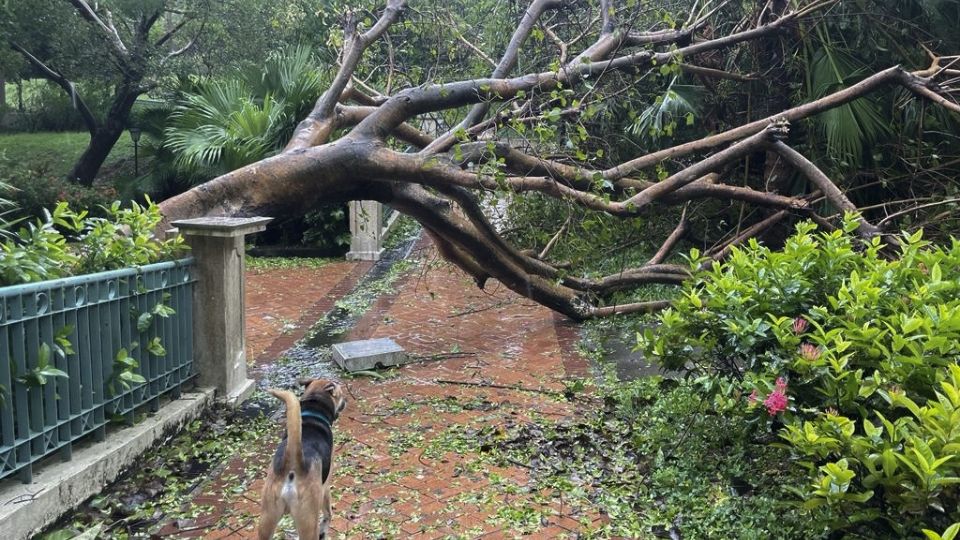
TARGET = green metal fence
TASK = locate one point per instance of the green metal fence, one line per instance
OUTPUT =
(101, 315)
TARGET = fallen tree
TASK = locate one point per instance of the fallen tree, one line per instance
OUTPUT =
(361, 143)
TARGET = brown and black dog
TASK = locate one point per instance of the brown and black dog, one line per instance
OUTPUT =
(298, 481)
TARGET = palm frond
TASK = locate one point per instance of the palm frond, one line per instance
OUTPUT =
(221, 128)
(675, 107)
(851, 129)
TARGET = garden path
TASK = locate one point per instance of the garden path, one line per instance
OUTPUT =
(402, 469)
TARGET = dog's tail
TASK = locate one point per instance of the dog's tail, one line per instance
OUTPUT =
(293, 455)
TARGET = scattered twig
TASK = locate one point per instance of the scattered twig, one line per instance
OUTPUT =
(442, 356)
(478, 310)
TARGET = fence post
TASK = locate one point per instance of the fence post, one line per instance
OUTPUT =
(218, 305)
(366, 231)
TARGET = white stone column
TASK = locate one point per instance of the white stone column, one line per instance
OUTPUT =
(365, 231)
(219, 345)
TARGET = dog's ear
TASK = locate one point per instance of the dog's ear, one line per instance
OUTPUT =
(305, 382)
(330, 387)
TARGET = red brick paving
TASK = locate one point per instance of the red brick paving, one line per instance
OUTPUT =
(397, 471)
(283, 303)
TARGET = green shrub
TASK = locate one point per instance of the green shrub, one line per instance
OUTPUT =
(854, 354)
(35, 190)
(67, 243)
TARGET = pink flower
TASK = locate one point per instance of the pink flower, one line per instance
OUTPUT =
(800, 325)
(810, 352)
(777, 400)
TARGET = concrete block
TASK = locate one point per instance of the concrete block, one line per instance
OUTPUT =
(58, 487)
(369, 354)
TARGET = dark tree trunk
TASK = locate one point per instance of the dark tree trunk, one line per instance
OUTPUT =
(105, 136)
(3, 93)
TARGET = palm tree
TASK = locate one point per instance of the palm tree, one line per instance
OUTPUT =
(220, 126)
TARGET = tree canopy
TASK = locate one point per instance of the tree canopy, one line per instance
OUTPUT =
(706, 122)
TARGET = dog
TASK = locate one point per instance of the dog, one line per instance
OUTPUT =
(298, 480)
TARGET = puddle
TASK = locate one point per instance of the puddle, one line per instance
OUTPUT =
(332, 326)
(628, 364)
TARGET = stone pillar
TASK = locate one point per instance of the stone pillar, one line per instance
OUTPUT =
(219, 345)
(365, 231)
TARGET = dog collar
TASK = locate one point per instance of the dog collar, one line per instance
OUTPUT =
(318, 416)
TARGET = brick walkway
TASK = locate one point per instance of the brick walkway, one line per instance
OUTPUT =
(282, 304)
(404, 465)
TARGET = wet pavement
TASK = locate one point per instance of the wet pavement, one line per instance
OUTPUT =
(406, 463)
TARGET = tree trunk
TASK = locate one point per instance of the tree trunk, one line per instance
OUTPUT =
(105, 136)
(3, 94)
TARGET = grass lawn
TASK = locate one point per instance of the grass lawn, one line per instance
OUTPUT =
(55, 153)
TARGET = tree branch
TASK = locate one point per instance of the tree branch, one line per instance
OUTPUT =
(672, 240)
(506, 64)
(89, 120)
(311, 130)
(823, 183)
(109, 30)
(170, 33)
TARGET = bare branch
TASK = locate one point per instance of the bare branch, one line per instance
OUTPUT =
(627, 309)
(748, 233)
(414, 101)
(606, 15)
(172, 32)
(178, 52)
(470, 45)
(823, 183)
(553, 240)
(312, 130)
(905, 211)
(506, 64)
(920, 87)
(716, 73)
(671, 240)
(836, 99)
(108, 29)
(701, 168)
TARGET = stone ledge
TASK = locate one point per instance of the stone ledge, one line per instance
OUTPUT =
(58, 487)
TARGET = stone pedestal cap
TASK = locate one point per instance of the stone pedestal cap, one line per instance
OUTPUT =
(222, 226)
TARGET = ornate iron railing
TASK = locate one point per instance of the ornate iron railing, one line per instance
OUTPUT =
(92, 328)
